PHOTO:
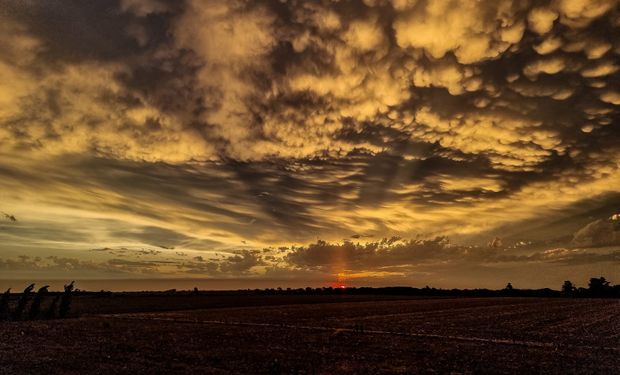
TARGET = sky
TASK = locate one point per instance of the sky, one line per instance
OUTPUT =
(378, 142)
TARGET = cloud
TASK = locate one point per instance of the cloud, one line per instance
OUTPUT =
(548, 45)
(81, 107)
(599, 69)
(241, 263)
(144, 8)
(233, 44)
(611, 97)
(199, 127)
(601, 232)
(55, 265)
(155, 236)
(454, 78)
(365, 35)
(400, 256)
(540, 20)
(466, 29)
(548, 66)
(509, 140)
(580, 13)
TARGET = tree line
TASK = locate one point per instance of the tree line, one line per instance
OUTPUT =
(598, 287)
(31, 306)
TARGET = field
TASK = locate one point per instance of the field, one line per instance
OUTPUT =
(255, 334)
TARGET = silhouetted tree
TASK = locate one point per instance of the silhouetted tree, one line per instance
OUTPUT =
(65, 301)
(35, 306)
(50, 313)
(599, 286)
(21, 303)
(568, 288)
(509, 287)
(4, 305)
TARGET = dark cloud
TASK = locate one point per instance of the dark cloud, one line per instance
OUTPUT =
(155, 236)
(601, 232)
(52, 265)
(76, 30)
(241, 262)
(399, 255)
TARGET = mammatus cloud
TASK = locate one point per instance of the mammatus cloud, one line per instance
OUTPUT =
(230, 126)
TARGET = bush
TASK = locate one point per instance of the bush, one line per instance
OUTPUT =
(50, 313)
(65, 301)
(21, 304)
(4, 305)
(35, 306)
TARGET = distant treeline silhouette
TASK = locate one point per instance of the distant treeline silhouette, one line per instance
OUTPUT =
(35, 305)
(598, 287)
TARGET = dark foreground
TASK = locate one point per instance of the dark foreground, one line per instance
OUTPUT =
(308, 335)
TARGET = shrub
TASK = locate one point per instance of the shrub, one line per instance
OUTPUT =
(50, 313)
(65, 301)
(4, 305)
(35, 306)
(21, 304)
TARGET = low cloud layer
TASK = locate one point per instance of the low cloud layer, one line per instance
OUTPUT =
(233, 126)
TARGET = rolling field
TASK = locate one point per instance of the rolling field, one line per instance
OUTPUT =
(350, 335)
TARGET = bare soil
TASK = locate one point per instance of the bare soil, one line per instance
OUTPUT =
(318, 335)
